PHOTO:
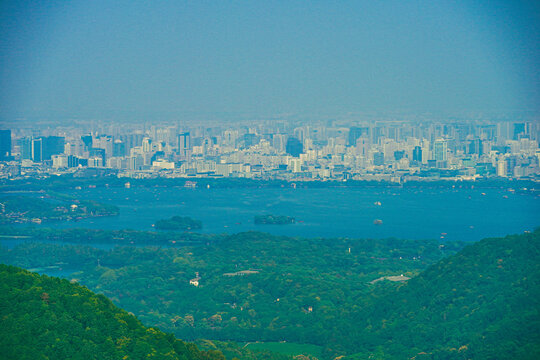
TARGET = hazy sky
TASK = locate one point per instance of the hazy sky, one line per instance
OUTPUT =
(89, 59)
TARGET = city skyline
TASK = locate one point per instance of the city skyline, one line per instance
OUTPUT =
(388, 151)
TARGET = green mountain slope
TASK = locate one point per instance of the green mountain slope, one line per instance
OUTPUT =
(253, 286)
(49, 318)
(482, 303)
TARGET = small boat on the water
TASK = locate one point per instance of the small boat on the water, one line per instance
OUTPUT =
(377, 222)
(377, 203)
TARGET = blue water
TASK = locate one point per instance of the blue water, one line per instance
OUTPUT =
(54, 271)
(419, 213)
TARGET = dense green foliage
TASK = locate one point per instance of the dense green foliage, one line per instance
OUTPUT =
(252, 286)
(111, 237)
(242, 351)
(482, 303)
(51, 318)
(287, 348)
(262, 350)
(178, 223)
(273, 220)
(50, 207)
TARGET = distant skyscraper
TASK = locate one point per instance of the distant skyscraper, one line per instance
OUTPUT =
(278, 142)
(73, 161)
(355, 133)
(104, 142)
(87, 141)
(363, 145)
(378, 158)
(5, 144)
(417, 154)
(229, 138)
(119, 148)
(440, 150)
(501, 168)
(250, 140)
(392, 133)
(52, 145)
(440, 153)
(504, 132)
(519, 130)
(300, 134)
(294, 147)
(184, 144)
(25, 145)
(131, 140)
(376, 133)
(147, 145)
(511, 162)
(475, 147)
(207, 144)
(37, 150)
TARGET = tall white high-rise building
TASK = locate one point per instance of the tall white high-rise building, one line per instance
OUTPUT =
(502, 168)
(440, 150)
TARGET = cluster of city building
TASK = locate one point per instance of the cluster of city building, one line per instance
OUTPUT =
(380, 150)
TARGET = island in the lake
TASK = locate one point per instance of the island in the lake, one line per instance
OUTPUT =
(273, 220)
(178, 223)
(49, 207)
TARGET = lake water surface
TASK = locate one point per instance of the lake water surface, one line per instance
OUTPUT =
(413, 213)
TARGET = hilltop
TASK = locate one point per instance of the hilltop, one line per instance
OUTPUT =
(481, 303)
(50, 318)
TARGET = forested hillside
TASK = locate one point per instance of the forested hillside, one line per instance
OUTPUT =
(350, 296)
(49, 318)
(482, 303)
(252, 286)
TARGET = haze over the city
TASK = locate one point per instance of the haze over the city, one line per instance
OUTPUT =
(269, 180)
(185, 61)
